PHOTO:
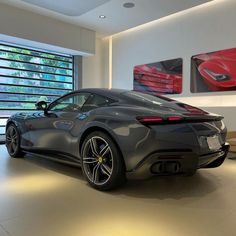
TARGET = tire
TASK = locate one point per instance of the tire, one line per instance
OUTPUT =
(13, 142)
(102, 163)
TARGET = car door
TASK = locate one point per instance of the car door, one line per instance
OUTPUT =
(52, 130)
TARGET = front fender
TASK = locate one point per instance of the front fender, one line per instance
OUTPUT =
(21, 127)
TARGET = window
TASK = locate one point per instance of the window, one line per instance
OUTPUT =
(73, 102)
(146, 98)
(95, 101)
(27, 76)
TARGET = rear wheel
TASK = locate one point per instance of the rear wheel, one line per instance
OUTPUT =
(13, 142)
(102, 163)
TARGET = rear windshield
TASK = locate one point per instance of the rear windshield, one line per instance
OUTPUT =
(138, 97)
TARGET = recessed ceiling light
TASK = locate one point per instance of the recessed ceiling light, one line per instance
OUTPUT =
(102, 17)
(128, 5)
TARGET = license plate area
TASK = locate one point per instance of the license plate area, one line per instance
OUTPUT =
(213, 142)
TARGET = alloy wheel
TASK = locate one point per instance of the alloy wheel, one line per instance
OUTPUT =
(97, 160)
(12, 140)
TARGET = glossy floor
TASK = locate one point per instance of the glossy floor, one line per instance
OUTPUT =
(42, 198)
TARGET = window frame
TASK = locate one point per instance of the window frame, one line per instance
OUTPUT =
(65, 97)
(111, 101)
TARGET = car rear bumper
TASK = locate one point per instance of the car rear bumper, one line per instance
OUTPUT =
(204, 161)
(175, 162)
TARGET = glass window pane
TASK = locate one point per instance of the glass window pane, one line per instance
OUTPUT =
(22, 97)
(72, 102)
(2, 130)
(37, 83)
(3, 121)
(28, 76)
(17, 105)
(34, 53)
(7, 113)
(32, 59)
(33, 67)
(34, 75)
(36, 90)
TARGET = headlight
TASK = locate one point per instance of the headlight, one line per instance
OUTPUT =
(216, 76)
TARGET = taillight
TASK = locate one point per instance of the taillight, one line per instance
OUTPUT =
(175, 118)
(159, 120)
(149, 119)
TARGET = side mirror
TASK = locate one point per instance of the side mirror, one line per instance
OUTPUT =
(42, 105)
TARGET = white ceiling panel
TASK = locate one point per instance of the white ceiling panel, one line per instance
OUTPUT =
(86, 12)
(68, 7)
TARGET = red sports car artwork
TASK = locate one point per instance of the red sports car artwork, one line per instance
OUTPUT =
(214, 71)
(159, 78)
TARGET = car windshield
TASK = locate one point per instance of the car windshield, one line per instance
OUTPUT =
(146, 98)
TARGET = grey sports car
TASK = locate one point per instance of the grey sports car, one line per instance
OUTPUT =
(115, 134)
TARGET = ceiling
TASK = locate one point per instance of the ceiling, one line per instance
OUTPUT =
(86, 12)
(68, 7)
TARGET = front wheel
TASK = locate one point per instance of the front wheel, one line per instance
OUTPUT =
(13, 142)
(102, 163)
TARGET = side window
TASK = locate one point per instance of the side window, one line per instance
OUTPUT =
(96, 101)
(73, 102)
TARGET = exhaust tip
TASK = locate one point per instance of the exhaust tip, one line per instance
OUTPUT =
(165, 167)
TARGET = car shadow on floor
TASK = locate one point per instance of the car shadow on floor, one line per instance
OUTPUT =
(171, 187)
(157, 187)
(65, 169)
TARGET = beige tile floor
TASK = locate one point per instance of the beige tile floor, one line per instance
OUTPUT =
(42, 198)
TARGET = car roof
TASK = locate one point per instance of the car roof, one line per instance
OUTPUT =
(112, 93)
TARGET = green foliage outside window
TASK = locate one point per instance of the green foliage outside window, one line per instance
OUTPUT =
(27, 76)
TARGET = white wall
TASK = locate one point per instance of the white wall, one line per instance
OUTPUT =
(205, 28)
(31, 29)
(95, 68)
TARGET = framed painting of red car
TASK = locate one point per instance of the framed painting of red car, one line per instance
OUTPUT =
(214, 72)
(164, 77)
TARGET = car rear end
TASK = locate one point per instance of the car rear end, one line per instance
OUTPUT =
(174, 139)
(180, 147)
